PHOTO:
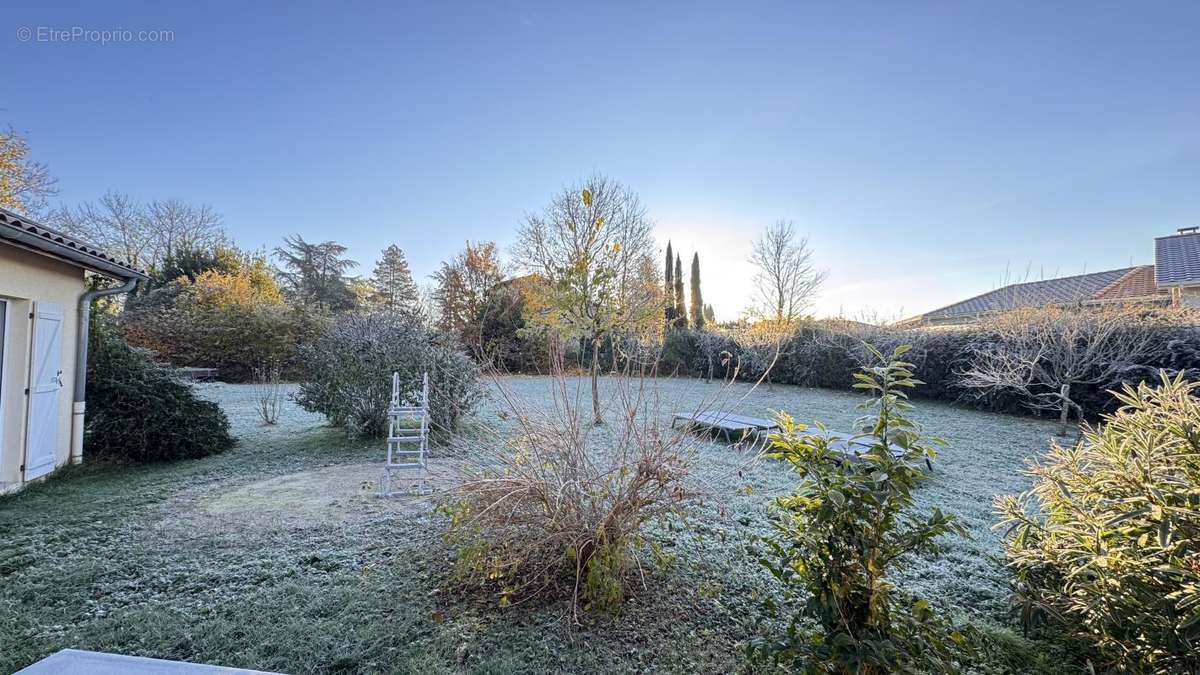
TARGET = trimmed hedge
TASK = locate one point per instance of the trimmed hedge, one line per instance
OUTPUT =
(818, 356)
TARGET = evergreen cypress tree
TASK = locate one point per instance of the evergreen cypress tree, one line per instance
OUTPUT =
(393, 281)
(669, 302)
(709, 315)
(681, 320)
(697, 302)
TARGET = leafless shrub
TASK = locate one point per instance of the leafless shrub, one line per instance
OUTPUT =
(559, 510)
(268, 393)
(1041, 353)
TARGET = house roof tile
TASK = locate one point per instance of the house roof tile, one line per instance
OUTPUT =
(1177, 259)
(1079, 288)
(1137, 283)
(25, 232)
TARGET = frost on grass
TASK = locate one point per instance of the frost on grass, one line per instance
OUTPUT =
(983, 457)
(103, 559)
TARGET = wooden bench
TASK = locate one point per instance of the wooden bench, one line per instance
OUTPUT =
(726, 422)
(197, 374)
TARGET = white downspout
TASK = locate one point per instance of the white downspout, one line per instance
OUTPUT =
(81, 354)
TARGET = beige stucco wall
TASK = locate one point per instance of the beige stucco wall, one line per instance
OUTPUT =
(25, 278)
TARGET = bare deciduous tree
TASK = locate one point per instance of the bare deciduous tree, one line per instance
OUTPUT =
(787, 281)
(1041, 353)
(592, 247)
(176, 226)
(145, 235)
(115, 223)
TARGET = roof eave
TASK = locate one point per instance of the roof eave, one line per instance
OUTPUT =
(1178, 284)
(30, 241)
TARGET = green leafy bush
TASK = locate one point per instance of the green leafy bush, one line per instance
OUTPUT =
(235, 340)
(138, 410)
(1108, 540)
(347, 372)
(679, 351)
(849, 523)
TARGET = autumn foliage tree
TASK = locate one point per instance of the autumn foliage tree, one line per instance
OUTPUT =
(25, 185)
(232, 318)
(191, 262)
(461, 294)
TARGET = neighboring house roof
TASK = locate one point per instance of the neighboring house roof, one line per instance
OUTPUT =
(1137, 283)
(1177, 259)
(1121, 284)
(23, 232)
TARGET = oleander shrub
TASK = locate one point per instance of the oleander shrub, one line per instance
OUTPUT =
(1106, 545)
(837, 538)
(138, 410)
(347, 372)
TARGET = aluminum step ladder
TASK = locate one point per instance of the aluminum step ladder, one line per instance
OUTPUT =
(408, 442)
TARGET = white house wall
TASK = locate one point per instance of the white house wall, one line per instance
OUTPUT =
(27, 277)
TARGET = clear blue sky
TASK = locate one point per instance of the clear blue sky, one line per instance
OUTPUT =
(924, 147)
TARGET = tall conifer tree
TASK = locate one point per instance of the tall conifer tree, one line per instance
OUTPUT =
(669, 287)
(697, 302)
(393, 281)
(681, 320)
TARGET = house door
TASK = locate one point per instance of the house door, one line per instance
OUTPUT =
(45, 381)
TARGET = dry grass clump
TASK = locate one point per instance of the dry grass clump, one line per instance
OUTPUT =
(560, 509)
